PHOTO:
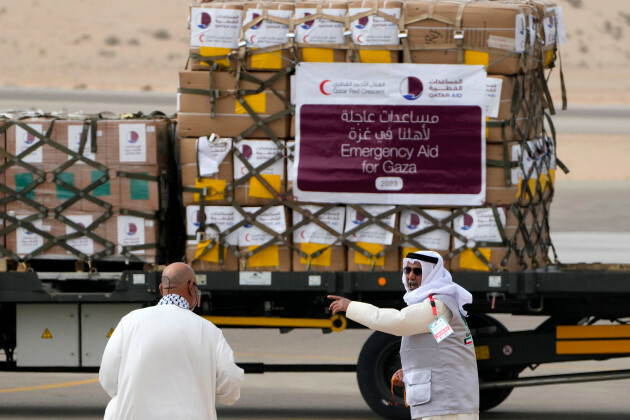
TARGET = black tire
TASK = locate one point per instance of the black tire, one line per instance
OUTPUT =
(487, 326)
(378, 360)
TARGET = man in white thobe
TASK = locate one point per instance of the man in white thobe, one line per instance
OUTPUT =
(439, 368)
(165, 362)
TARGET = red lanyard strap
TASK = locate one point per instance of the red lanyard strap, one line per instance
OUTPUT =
(433, 305)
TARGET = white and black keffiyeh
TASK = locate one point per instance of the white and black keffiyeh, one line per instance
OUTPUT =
(173, 299)
(436, 280)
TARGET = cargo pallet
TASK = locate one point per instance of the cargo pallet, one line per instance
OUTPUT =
(573, 299)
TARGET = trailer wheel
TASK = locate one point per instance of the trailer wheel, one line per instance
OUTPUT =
(487, 326)
(378, 360)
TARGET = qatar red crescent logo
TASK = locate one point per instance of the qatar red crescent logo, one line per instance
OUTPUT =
(324, 88)
(203, 20)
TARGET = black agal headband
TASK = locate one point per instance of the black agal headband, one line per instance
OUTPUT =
(422, 257)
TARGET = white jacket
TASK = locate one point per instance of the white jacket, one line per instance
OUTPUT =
(165, 362)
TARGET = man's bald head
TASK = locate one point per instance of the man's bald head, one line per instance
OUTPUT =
(176, 276)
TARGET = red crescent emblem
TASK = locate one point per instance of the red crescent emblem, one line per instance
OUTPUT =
(304, 39)
(201, 38)
(321, 87)
(252, 40)
(359, 39)
(247, 237)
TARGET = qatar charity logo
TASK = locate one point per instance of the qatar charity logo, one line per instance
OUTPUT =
(414, 221)
(131, 229)
(259, 24)
(359, 218)
(468, 222)
(196, 219)
(203, 20)
(411, 88)
(362, 23)
(133, 137)
(308, 23)
(29, 138)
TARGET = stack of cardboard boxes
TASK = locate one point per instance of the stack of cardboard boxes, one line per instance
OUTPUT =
(235, 105)
(84, 189)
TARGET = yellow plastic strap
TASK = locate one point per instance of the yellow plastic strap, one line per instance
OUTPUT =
(317, 55)
(468, 260)
(214, 52)
(322, 260)
(212, 255)
(256, 102)
(256, 189)
(272, 60)
(215, 189)
(472, 57)
(268, 257)
(372, 249)
(375, 56)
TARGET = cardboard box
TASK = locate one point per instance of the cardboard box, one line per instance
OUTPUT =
(269, 35)
(520, 112)
(315, 36)
(136, 142)
(69, 133)
(311, 238)
(47, 193)
(199, 158)
(214, 32)
(230, 262)
(502, 186)
(232, 118)
(375, 38)
(135, 235)
(548, 21)
(274, 257)
(258, 153)
(28, 243)
(389, 262)
(138, 194)
(412, 222)
(468, 261)
(20, 138)
(216, 217)
(371, 238)
(493, 34)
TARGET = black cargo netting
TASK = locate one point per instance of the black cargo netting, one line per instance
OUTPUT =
(529, 127)
(58, 178)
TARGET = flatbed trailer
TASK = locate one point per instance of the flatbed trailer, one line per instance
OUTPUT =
(569, 299)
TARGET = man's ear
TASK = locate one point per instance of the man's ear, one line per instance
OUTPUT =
(161, 291)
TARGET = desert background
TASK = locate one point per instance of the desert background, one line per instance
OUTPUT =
(141, 45)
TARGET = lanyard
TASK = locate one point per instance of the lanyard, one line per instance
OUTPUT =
(433, 305)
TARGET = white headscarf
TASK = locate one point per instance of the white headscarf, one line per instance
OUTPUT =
(435, 280)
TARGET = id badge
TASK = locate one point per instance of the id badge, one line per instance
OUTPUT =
(440, 329)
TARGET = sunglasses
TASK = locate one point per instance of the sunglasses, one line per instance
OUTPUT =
(416, 270)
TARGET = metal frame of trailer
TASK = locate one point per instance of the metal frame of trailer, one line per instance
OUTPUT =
(570, 300)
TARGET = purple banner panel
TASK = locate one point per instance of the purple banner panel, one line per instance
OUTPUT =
(390, 148)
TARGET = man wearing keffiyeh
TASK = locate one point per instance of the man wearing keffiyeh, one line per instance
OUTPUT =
(439, 369)
(165, 362)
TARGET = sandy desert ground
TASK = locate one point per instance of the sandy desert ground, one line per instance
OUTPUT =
(141, 46)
